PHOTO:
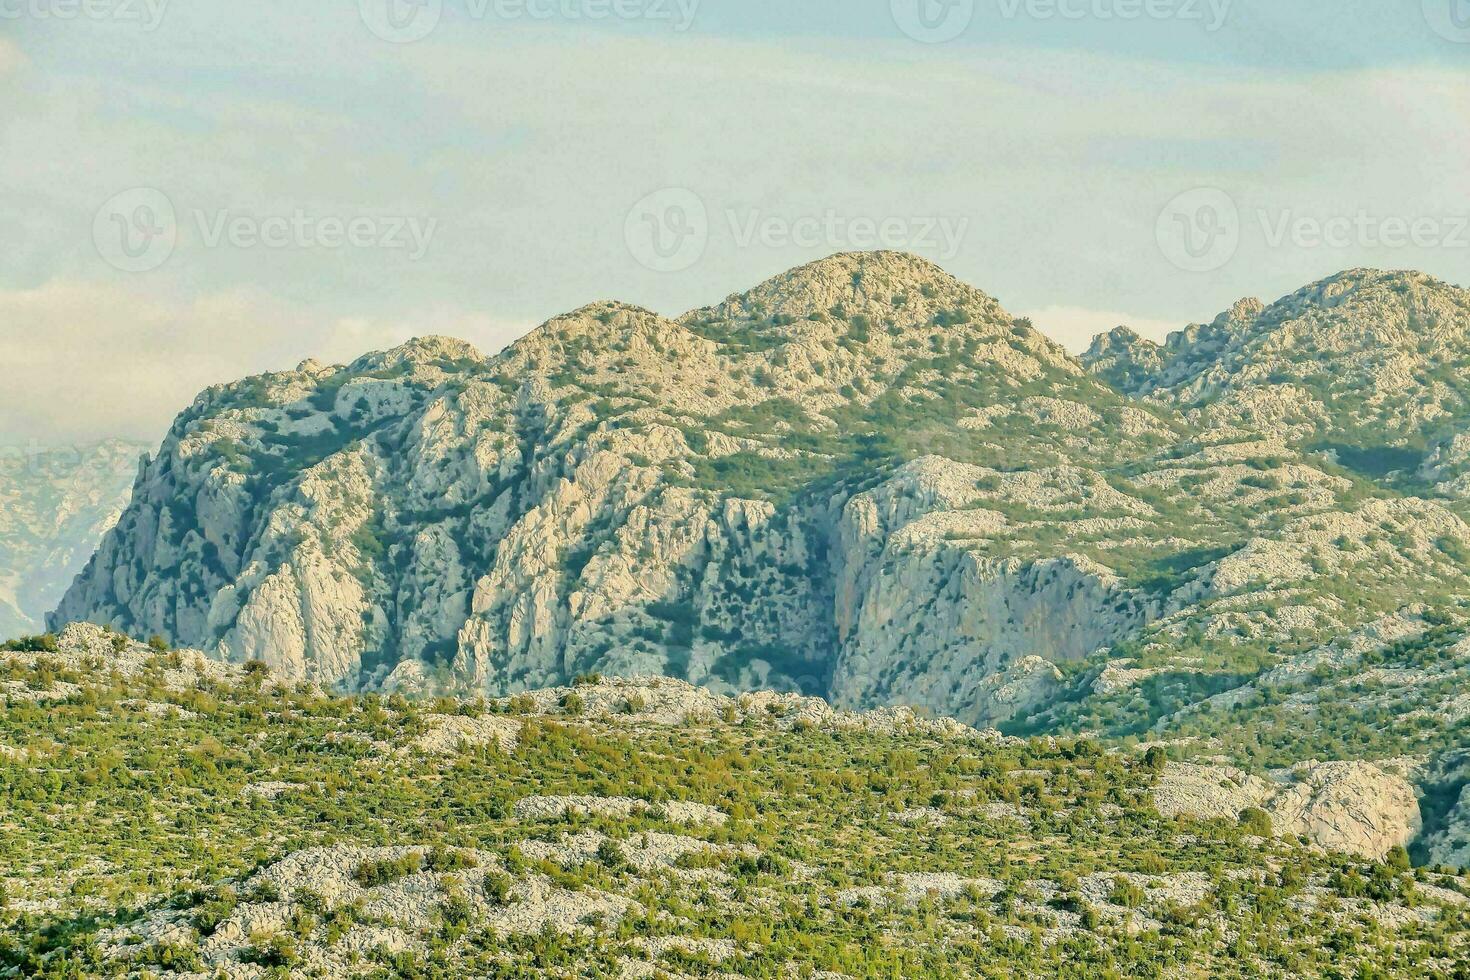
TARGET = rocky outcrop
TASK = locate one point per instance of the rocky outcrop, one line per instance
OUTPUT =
(1353, 807)
(1125, 360)
(1449, 844)
(926, 616)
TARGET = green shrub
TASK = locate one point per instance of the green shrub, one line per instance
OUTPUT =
(371, 874)
(442, 858)
(43, 643)
(274, 952)
(1127, 894)
(1255, 821)
(497, 888)
(174, 957)
(212, 908)
(456, 911)
(611, 855)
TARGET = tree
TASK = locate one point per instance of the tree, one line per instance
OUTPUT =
(1255, 821)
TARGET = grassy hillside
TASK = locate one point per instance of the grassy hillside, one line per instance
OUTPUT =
(166, 814)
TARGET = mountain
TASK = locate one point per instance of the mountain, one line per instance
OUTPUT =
(708, 498)
(1368, 365)
(177, 816)
(863, 480)
(55, 505)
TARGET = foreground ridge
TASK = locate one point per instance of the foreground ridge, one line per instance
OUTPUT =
(639, 827)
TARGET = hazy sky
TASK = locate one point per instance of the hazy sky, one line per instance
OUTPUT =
(199, 190)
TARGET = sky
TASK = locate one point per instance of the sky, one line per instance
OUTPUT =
(199, 191)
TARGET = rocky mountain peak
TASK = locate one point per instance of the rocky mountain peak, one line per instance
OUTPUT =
(1335, 290)
(885, 285)
(420, 352)
(1117, 341)
(1241, 313)
(1120, 337)
(845, 275)
(313, 367)
(1123, 359)
(601, 325)
(1370, 355)
(1199, 342)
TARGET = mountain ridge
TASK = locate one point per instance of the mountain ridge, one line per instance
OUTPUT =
(861, 479)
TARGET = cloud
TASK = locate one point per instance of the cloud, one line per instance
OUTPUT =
(87, 359)
(1074, 327)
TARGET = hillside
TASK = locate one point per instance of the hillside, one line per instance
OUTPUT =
(55, 505)
(167, 814)
(862, 480)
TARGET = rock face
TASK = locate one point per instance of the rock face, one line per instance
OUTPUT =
(926, 616)
(1125, 360)
(55, 505)
(862, 480)
(1450, 843)
(1446, 806)
(1352, 807)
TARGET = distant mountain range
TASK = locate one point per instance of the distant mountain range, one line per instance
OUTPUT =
(866, 480)
(55, 505)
